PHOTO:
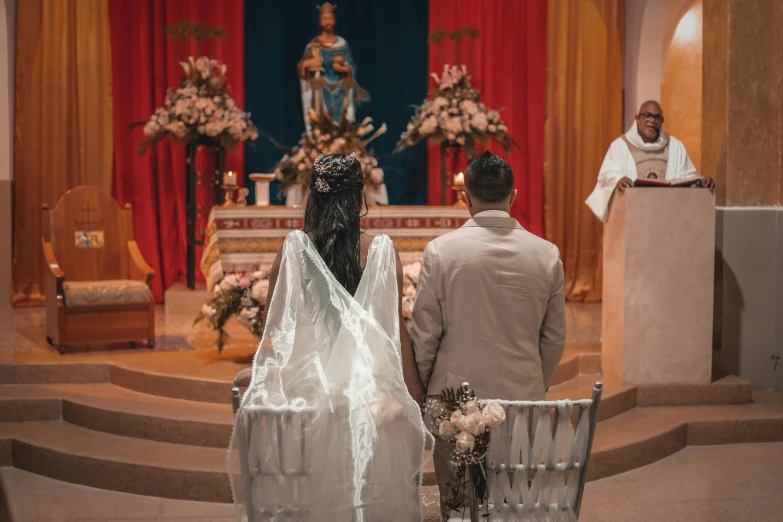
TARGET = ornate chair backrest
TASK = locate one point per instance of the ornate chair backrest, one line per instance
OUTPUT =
(89, 234)
(537, 461)
(274, 458)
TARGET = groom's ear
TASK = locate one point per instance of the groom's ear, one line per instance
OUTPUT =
(513, 197)
(468, 200)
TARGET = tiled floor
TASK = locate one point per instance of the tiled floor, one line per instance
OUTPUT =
(738, 483)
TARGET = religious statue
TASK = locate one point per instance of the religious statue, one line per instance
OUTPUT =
(327, 72)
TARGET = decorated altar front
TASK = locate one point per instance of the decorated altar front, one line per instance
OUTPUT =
(240, 239)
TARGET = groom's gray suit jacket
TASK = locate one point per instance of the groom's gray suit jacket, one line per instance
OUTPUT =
(490, 310)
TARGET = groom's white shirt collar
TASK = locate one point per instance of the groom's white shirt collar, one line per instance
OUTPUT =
(493, 213)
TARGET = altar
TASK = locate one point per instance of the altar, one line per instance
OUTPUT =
(242, 238)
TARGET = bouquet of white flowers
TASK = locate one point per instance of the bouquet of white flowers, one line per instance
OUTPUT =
(328, 137)
(461, 419)
(242, 295)
(455, 115)
(200, 109)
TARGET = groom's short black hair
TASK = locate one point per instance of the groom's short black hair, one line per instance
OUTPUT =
(489, 179)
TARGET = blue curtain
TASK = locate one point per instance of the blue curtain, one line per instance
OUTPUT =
(388, 39)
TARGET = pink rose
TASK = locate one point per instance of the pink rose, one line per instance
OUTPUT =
(244, 282)
(493, 414)
(447, 429)
(465, 442)
(471, 407)
(458, 420)
(474, 423)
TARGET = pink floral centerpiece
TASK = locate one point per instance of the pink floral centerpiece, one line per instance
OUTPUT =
(200, 109)
(455, 115)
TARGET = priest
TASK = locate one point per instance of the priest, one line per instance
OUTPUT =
(645, 151)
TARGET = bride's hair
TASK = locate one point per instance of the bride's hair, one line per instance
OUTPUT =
(333, 216)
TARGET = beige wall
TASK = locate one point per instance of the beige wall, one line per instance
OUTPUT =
(681, 86)
(663, 62)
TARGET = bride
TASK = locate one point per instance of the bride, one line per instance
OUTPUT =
(330, 428)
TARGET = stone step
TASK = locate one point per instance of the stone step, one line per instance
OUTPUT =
(70, 453)
(115, 410)
(73, 453)
(63, 451)
(644, 435)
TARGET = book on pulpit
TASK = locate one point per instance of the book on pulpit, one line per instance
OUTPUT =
(653, 182)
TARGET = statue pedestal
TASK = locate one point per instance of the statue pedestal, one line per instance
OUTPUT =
(659, 248)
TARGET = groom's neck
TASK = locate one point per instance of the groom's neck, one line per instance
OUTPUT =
(476, 209)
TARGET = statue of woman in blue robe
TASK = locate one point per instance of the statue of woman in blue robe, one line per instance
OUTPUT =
(327, 72)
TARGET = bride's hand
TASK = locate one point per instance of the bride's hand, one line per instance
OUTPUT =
(416, 390)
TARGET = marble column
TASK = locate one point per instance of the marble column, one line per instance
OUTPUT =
(742, 148)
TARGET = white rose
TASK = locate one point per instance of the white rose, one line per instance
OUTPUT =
(407, 307)
(409, 291)
(465, 442)
(461, 140)
(468, 106)
(471, 407)
(259, 290)
(217, 290)
(376, 175)
(428, 126)
(208, 311)
(229, 282)
(479, 122)
(438, 103)
(447, 429)
(474, 423)
(492, 127)
(412, 272)
(458, 420)
(262, 272)
(493, 414)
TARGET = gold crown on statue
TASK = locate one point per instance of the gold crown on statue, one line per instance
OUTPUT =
(326, 8)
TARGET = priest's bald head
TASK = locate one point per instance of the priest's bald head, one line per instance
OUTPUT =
(649, 120)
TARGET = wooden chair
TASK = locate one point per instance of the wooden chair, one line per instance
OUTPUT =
(97, 282)
(536, 464)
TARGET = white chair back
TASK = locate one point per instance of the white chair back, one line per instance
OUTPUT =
(537, 460)
(274, 457)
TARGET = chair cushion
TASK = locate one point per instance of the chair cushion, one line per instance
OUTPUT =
(105, 293)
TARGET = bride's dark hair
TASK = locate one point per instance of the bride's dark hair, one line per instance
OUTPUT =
(333, 216)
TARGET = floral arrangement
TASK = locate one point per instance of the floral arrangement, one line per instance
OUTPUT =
(201, 107)
(464, 421)
(328, 137)
(241, 295)
(244, 295)
(455, 115)
(410, 286)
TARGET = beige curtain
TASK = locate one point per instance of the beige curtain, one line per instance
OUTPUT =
(63, 119)
(583, 116)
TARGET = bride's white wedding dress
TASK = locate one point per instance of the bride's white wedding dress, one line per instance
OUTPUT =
(331, 432)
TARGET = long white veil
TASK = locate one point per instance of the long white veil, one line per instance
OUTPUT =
(330, 431)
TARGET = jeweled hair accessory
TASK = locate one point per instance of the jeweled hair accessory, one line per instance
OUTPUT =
(331, 168)
(321, 185)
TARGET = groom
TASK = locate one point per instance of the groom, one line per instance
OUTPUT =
(490, 308)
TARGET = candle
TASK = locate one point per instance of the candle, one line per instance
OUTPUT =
(230, 178)
(459, 179)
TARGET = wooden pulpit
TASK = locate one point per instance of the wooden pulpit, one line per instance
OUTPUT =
(659, 255)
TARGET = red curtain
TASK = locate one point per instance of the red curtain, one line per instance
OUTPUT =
(510, 70)
(145, 62)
